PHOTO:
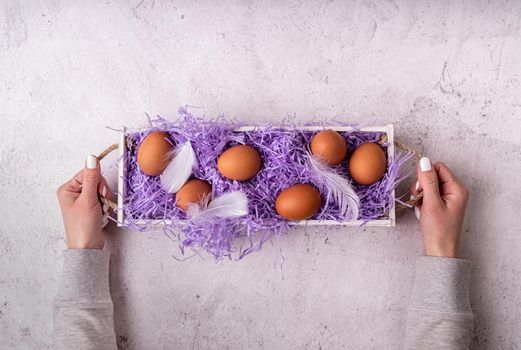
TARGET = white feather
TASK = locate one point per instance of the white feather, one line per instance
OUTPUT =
(340, 187)
(229, 205)
(180, 167)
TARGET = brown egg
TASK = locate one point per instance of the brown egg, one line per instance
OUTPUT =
(239, 162)
(367, 164)
(329, 146)
(153, 153)
(192, 192)
(298, 202)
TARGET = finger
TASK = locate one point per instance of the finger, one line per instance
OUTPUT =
(417, 212)
(74, 184)
(415, 188)
(71, 189)
(449, 183)
(91, 179)
(416, 207)
(451, 187)
(428, 180)
(445, 175)
(104, 191)
(105, 220)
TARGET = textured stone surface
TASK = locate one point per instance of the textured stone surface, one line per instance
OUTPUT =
(447, 74)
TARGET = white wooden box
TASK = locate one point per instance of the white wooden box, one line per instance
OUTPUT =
(387, 221)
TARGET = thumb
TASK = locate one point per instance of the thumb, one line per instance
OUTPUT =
(91, 179)
(428, 181)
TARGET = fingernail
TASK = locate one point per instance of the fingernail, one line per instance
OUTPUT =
(417, 212)
(417, 186)
(425, 164)
(104, 191)
(92, 162)
(105, 220)
(416, 209)
(105, 207)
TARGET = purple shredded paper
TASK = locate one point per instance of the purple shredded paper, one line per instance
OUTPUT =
(284, 163)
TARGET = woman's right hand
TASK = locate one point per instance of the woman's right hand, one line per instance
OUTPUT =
(442, 210)
(83, 214)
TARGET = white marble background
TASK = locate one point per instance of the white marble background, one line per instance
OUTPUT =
(447, 73)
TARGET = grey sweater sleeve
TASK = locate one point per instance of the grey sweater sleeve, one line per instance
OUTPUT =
(439, 314)
(83, 312)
